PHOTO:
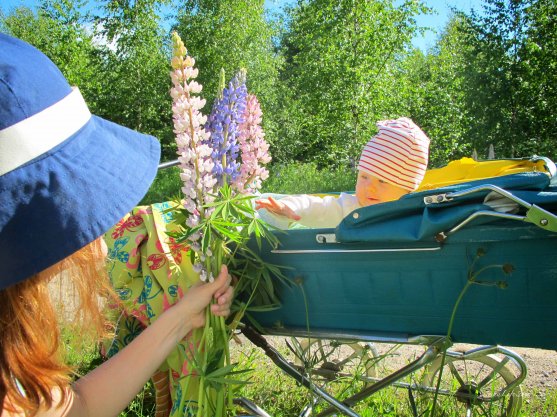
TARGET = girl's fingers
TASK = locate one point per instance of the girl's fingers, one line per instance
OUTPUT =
(223, 289)
(221, 308)
(225, 297)
(220, 311)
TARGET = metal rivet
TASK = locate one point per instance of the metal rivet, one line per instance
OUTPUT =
(439, 198)
(544, 222)
(429, 200)
(356, 215)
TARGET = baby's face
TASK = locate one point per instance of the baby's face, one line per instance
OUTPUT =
(371, 190)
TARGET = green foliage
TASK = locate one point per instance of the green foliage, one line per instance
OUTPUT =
(294, 178)
(507, 95)
(299, 178)
(324, 75)
(539, 87)
(58, 29)
(280, 395)
(435, 90)
(230, 35)
(135, 56)
(493, 76)
(166, 186)
(339, 60)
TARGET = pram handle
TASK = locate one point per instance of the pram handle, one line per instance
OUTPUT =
(549, 164)
(168, 164)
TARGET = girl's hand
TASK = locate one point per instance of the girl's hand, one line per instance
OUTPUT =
(276, 207)
(198, 297)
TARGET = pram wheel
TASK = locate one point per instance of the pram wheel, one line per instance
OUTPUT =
(472, 385)
(331, 360)
(341, 367)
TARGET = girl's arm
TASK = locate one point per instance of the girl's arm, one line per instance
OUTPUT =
(108, 389)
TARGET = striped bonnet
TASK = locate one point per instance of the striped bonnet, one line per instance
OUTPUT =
(397, 154)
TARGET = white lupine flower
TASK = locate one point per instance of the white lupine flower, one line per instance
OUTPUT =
(194, 87)
(185, 176)
(192, 220)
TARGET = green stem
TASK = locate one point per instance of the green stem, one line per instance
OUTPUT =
(451, 321)
(242, 311)
(200, 396)
(471, 280)
(203, 364)
(220, 411)
(227, 360)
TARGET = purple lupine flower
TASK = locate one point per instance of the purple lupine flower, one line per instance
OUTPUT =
(254, 149)
(226, 116)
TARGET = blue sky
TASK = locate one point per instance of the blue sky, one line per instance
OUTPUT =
(436, 21)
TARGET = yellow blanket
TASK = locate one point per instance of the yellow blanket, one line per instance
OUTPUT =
(466, 169)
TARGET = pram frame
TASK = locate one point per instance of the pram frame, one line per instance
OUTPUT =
(436, 346)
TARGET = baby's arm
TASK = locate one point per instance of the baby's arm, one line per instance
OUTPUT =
(276, 207)
(308, 210)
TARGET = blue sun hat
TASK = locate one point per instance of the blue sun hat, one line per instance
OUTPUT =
(66, 176)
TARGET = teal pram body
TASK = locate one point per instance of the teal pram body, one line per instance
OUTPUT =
(396, 270)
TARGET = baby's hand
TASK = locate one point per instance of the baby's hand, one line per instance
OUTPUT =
(276, 207)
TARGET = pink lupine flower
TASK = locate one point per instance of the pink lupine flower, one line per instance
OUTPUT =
(253, 149)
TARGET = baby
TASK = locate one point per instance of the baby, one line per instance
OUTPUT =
(392, 164)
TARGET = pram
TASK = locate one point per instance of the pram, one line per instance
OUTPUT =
(396, 272)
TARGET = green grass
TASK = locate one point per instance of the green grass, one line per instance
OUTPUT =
(281, 396)
(84, 355)
(298, 178)
(295, 178)
(166, 186)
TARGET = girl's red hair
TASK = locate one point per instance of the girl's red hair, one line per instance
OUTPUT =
(31, 362)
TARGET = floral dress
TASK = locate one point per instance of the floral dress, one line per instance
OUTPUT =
(150, 272)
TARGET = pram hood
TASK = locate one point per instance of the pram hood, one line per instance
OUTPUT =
(422, 216)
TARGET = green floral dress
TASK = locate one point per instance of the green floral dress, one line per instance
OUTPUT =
(150, 272)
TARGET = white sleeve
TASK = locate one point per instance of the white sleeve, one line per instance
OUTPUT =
(316, 212)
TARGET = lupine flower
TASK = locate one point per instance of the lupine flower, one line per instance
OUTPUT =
(212, 214)
(192, 139)
(226, 116)
(254, 149)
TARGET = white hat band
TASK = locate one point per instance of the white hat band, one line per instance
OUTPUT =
(32, 137)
